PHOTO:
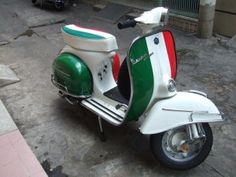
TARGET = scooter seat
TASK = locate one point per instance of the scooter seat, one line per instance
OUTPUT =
(88, 39)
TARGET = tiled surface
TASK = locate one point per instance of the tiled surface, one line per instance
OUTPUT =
(16, 158)
(6, 122)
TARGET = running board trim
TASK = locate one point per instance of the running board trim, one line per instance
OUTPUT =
(121, 118)
(102, 111)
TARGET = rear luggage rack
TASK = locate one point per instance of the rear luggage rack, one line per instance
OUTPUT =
(65, 90)
(58, 85)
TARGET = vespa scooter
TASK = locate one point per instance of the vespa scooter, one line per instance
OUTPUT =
(86, 72)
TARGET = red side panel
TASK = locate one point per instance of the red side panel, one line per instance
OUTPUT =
(116, 66)
(170, 47)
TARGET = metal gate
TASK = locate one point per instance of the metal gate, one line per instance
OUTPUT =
(189, 8)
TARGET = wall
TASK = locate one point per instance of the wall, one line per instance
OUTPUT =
(225, 17)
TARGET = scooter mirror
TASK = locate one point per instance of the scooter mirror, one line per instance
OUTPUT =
(157, 15)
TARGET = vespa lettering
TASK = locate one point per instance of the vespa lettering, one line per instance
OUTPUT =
(141, 58)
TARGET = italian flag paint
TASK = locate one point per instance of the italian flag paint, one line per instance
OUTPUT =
(82, 32)
(142, 80)
(150, 58)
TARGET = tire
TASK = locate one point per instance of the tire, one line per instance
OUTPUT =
(34, 1)
(163, 154)
(59, 6)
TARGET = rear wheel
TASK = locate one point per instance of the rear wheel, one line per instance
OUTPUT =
(34, 1)
(175, 150)
(59, 5)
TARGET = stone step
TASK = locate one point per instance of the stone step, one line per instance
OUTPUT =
(7, 76)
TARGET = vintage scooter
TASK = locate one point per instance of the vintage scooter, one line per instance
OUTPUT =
(87, 72)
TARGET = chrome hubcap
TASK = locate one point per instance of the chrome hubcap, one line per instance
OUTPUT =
(179, 147)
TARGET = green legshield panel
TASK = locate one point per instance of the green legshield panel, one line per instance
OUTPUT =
(141, 78)
(72, 75)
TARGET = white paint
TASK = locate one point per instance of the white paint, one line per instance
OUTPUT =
(90, 31)
(101, 45)
(208, 2)
(160, 66)
(160, 120)
(96, 62)
(153, 16)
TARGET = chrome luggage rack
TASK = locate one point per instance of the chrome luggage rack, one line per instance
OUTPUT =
(58, 85)
(64, 91)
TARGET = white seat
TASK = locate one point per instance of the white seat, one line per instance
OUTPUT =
(88, 39)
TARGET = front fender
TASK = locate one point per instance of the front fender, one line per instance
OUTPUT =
(182, 109)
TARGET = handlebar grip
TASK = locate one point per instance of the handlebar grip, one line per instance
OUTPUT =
(127, 24)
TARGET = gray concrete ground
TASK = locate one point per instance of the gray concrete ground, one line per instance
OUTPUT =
(64, 137)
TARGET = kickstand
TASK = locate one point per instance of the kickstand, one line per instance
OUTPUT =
(101, 132)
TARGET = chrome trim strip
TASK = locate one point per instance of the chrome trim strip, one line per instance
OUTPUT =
(197, 92)
(59, 86)
(105, 108)
(206, 113)
(103, 115)
(176, 110)
(195, 112)
(75, 96)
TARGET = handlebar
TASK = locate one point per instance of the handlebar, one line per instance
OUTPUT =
(127, 24)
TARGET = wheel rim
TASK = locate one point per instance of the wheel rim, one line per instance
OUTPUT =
(177, 146)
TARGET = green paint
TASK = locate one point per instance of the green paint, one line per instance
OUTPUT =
(74, 76)
(142, 79)
(81, 33)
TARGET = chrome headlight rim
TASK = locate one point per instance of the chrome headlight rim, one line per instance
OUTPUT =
(171, 86)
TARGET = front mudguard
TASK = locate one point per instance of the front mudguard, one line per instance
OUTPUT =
(182, 109)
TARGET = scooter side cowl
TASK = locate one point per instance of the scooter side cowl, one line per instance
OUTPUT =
(182, 109)
(72, 76)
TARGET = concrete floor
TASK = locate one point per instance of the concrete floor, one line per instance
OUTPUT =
(65, 137)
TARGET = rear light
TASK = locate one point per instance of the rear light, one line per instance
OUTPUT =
(116, 66)
(170, 46)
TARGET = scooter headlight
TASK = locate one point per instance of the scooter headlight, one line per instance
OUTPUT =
(171, 86)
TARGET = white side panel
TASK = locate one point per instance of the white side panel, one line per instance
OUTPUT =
(184, 108)
(100, 66)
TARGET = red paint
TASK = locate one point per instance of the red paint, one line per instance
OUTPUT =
(170, 47)
(116, 66)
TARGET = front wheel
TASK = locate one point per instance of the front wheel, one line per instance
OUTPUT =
(175, 150)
